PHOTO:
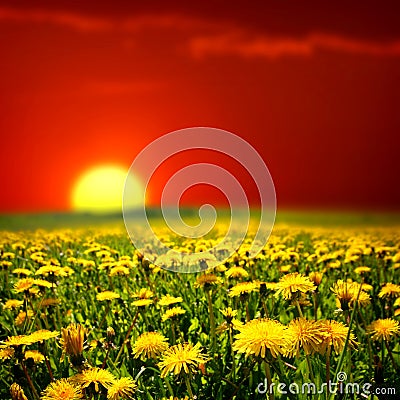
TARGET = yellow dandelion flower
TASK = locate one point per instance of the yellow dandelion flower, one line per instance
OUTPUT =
(389, 290)
(119, 270)
(13, 303)
(21, 317)
(362, 270)
(207, 280)
(22, 271)
(229, 314)
(397, 302)
(23, 285)
(149, 345)
(49, 302)
(6, 353)
(236, 272)
(335, 334)
(346, 294)
(51, 270)
(181, 358)
(42, 283)
(260, 336)
(62, 389)
(142, 302)
(94, 377)
(383, 329)
(42, 335)
(35, 355)
(123, 388)
(144, 293)
(292, 284)
(8, 255)
(172, 313)
(168, 300)
(237, 324)
(306, 334)
(285, 268)
(17, 393)
(107, 295)
(19, 340)
(243, 288)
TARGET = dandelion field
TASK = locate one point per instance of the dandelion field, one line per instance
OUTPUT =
(85, 316)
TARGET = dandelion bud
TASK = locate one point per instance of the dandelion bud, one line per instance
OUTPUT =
(73, 338)
(110, 333)
(17, 393)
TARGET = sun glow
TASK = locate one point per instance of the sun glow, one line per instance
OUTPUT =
(99, 190)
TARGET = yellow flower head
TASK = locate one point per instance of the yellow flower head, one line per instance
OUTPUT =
(335, 334)
(119, 270)
(207, 280)
(42, 335)
(229, 314)
(236, 272)
(35, 355)
(183, 358)
(306, 334)
(22, 271)
(362, 270)
(62, 389)
(142, 302)
(167, 300)
(172, 313)
(21, 317)
(42, 283)
(6, 353)
(94, 376)
(19, 340)
(23, 285)
(383, 329)
(13, 303)
(259, 336)
(243, 288)
(149, 345)
(293, 284)
(52, 270)
(123, 388)
(107, 295)
(144, 293)
(390, 290)
(346, 294)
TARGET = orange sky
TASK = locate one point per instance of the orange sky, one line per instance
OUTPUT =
(314, 89)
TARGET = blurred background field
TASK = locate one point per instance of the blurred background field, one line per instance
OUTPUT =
(17, 222)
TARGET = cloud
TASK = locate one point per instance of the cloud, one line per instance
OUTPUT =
(87, 23)
(207, 37)
(67, 19)
(238, 43)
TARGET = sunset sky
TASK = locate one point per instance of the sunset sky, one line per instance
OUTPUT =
(313, 86)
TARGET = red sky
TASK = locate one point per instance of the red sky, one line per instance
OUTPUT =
(315, 89)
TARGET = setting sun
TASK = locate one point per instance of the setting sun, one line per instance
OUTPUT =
(99, 190)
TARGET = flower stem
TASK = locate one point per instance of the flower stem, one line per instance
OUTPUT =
(189, 388)
(391, 355)
(212, 321)
(127, 336)
(269, 380)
